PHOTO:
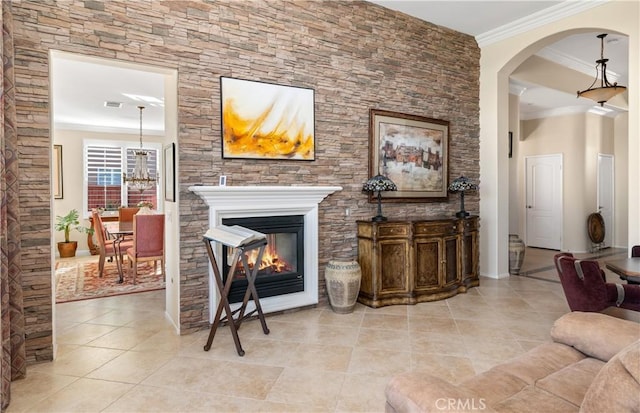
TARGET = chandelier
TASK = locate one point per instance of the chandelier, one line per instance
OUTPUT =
(606, 90)
(141, 178)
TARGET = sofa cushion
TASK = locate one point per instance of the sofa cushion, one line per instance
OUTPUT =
(494, 385)
(419, 392)
(533, 400)
(508, 378)
(597, 335)
(571, 383)
(616, 388)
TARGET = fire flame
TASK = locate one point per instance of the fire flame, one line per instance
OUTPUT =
(245, 137)
(270, 259)
(270, 262)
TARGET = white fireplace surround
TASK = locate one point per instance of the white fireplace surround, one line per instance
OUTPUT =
(256, 201)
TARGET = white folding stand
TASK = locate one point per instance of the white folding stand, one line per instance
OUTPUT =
(251, 293)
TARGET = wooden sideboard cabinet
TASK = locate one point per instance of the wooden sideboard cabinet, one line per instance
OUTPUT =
(411, 261)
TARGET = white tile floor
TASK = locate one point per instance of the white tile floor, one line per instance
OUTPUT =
(120, 354)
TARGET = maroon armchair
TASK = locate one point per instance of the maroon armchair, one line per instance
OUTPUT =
(586, 289)
(635, 251)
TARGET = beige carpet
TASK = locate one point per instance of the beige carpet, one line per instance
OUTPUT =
(78, 280)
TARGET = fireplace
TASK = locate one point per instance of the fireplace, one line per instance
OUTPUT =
(229, 202)
(281, 270)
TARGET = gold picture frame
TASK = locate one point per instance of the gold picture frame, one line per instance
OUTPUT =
(266, 121)
(412, 151)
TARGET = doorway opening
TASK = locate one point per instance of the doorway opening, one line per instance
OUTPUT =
(97, 99)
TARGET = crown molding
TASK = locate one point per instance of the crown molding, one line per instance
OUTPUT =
(579, 65)
(549, 113)
(537, 19)
(570, 110)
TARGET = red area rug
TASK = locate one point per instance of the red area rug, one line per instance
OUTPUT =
(79, 280)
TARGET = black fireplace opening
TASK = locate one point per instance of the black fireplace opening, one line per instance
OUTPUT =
(282, 268)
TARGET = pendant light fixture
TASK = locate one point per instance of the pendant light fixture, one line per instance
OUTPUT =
(141, 178)
(606, 90)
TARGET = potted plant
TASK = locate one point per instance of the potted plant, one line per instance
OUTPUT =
(66, 223)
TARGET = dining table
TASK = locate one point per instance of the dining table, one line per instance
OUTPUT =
(628, 269)
(119, 230)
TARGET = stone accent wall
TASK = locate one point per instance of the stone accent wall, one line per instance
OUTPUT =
(355, 55)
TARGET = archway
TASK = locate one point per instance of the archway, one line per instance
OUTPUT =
(498, 61)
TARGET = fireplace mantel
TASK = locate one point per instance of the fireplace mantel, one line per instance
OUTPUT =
(256, 201)
(267, 196)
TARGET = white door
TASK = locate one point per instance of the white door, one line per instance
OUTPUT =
(544, 201)
(605, 196)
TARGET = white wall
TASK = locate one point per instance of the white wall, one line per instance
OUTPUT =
(498, 60)
(516, 203)
(622, 186)
(172, 212)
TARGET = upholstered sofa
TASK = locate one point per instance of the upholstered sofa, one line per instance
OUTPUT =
(592, 364)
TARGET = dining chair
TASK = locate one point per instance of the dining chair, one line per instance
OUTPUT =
(148, 243)
(125, 214)
(106, 246)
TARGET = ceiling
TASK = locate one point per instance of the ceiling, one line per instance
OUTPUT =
(81, 85)
(86, 91)
(470, 17)
(489, 20)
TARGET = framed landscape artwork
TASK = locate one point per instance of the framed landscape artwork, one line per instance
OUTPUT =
(412, 151)
(266, 121)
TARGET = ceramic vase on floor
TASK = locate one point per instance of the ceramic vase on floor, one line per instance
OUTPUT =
(343, 285)
(516, 254)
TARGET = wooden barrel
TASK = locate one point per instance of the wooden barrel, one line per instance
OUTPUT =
(595, 226)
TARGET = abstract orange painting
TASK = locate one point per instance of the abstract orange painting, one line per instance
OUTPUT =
(267, 121)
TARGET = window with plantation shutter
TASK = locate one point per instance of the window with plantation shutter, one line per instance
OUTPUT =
(104, 164)
(104, 177)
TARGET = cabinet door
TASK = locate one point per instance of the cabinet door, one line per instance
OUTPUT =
(428, 261)
(470, 253)
(393, 259)
(451, 263)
